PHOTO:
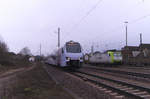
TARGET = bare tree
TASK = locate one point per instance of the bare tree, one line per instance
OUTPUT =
(3, 47)
(4, 54)
(3, 50)
(25, 51)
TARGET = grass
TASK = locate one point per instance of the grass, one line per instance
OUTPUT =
(15, 65)
(36, 84)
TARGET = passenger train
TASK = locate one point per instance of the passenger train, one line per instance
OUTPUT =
(70, 55)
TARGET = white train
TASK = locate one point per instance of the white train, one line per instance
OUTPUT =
(70, 55)
(51, 60)
(109, 57)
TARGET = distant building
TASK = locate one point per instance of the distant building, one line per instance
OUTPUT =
(86, 58)
(145, 50)
(144, 46)
(136, 54)
(32, 59)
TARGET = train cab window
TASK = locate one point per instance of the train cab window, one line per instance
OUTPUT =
(73, 48)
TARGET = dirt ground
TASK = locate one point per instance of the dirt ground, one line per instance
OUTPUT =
(31, 83)
(18, 65)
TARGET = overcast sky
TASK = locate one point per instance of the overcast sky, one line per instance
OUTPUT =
(99, 22)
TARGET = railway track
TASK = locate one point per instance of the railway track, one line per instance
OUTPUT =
(135, 67)
(135, 74)
(123, 89)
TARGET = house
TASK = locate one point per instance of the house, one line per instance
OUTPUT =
(136, 54)
(129, 52)
(32, 59)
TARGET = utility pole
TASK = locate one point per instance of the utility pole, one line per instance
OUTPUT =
(58, 58)
(140, 38)
(92, 49)
(58, 38)
(126, 22)
(40, 49)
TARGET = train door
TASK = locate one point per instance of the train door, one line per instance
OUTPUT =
(63, 60)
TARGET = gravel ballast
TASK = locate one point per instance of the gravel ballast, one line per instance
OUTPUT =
(81, 88)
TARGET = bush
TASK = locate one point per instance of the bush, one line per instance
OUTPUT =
(4, 56)
(10, 58)
(3, 47)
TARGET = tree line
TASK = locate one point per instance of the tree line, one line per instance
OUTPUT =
(10, 58)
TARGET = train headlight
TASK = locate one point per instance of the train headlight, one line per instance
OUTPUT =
(68, 58)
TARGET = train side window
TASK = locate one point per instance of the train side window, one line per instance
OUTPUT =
(62, 50)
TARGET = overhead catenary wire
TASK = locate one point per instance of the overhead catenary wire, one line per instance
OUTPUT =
(129, 22)
(140, 18)
(87, 14)
(115, 29)
(83, 18)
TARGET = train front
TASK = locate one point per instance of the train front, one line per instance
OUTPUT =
(74, 55)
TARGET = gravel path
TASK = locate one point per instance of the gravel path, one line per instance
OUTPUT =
(7, 79)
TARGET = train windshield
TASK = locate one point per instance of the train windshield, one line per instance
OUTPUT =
(73, 48)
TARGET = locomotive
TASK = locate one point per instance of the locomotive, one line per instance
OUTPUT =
(109, 57)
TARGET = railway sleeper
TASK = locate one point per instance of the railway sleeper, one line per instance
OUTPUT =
(122, 87)
(146, 96)
(114, 94)
(104, 89)
(125, 72)
(84, 79)
(119, 97)
(141, 93)
(136, 90)
(126, 89)
(119, 82)
(118, 90)
(108, 91)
